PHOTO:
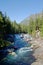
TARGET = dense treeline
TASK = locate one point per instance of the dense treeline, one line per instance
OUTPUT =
(36, 23)
(8, 27)
(5, 25)
(5, 28)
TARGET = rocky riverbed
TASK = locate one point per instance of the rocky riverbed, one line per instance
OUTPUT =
(37, 45)
(27, 54)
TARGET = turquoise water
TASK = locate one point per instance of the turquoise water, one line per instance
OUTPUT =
(22, 56)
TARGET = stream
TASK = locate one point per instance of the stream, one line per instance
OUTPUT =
(23, 55)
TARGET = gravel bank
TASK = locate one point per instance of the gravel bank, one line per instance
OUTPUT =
(37, 45)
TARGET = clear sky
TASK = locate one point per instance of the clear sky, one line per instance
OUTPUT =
(20, 9)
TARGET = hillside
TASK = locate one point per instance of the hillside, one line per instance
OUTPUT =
(33, 17)
(25, 21)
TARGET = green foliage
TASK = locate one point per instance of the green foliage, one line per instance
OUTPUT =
(3, 43)
(8, 27)
(35, 24)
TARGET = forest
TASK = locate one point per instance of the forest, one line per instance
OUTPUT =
(9, 27)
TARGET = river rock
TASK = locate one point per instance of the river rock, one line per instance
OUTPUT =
(38, 52)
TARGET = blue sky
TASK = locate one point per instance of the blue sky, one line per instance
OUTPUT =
(20, 9)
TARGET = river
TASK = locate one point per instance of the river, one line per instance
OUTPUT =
(23, 55)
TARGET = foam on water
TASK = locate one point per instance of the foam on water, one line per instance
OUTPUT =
(23, 52)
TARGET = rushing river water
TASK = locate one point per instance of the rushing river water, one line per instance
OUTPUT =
(22, 56)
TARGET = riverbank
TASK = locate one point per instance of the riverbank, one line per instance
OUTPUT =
(30, 53)
(37, 45)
